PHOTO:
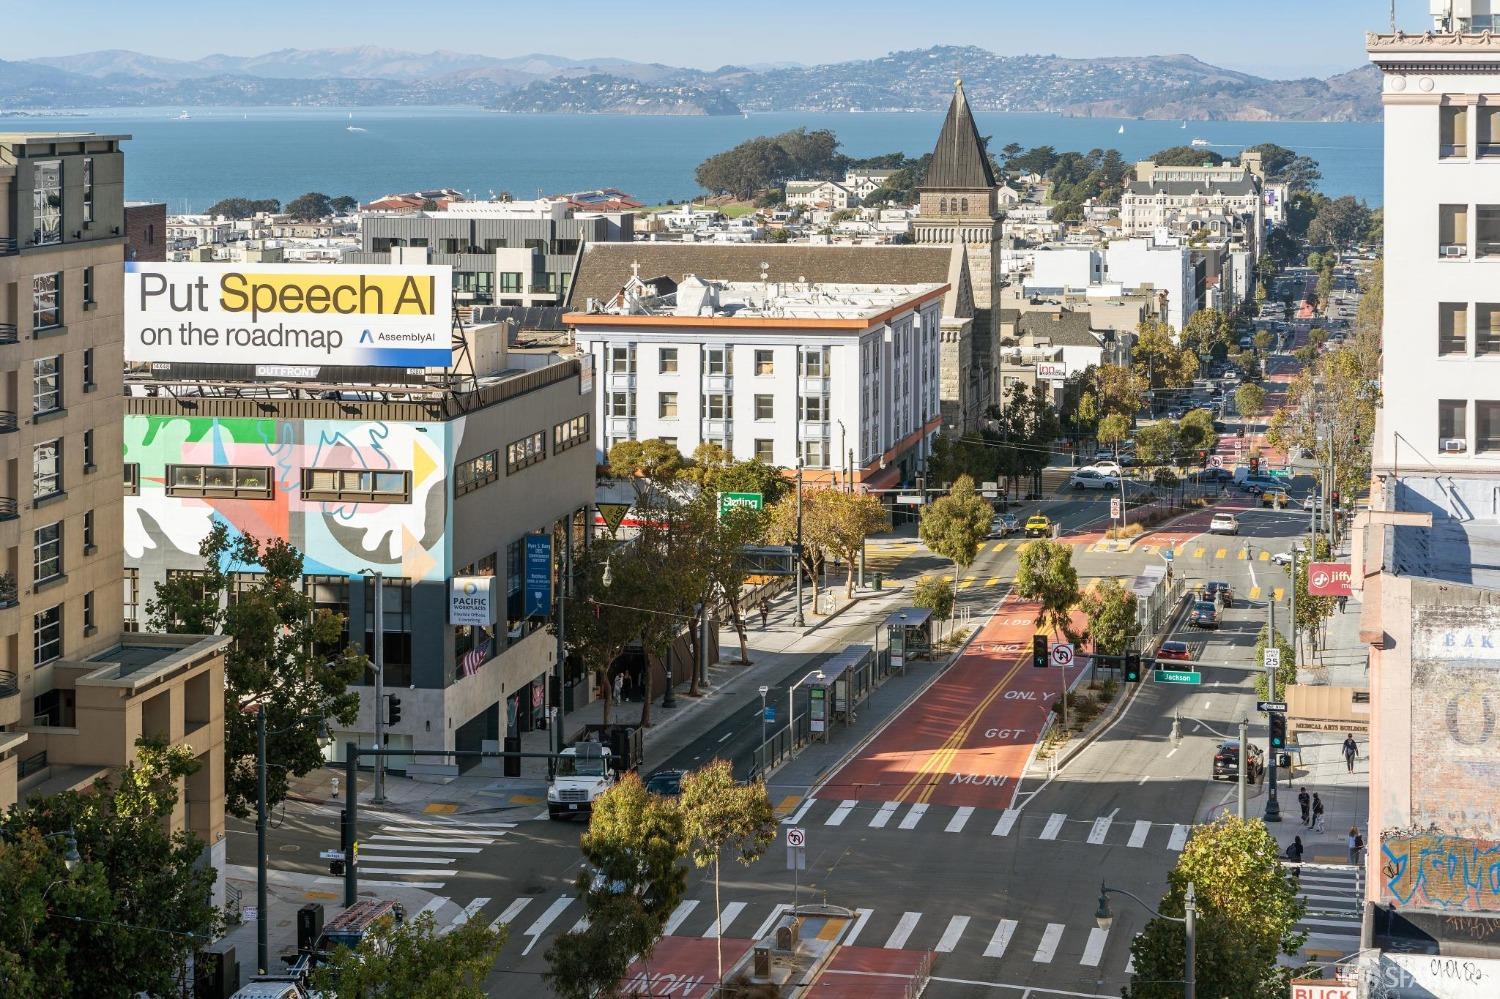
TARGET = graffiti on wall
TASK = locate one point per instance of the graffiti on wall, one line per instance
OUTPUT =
(1431, 870)
(336, 537)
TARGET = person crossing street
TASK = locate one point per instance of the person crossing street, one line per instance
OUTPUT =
(1305, 803)
(1351, 751)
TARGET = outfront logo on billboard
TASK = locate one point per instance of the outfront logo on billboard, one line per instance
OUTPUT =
(291, 314)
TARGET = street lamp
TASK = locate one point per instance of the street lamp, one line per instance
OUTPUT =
(798, 619)
(1103, 917)
(791, 708)
(262, 945)
(379, 665)
(763, 692)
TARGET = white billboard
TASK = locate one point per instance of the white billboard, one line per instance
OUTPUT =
(1051, 370)
(377, 315)
(470, 601)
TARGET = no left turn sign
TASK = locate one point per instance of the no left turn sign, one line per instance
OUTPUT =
(796, 836)
(1062, 654)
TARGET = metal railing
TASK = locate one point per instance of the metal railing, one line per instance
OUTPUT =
(7, 507)
(9, 333)
(32, 764)
(9, 687)
(8, 422)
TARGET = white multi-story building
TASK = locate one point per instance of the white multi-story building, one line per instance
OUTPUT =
(841, 377)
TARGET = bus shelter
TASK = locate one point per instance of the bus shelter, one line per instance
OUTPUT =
(908, 635)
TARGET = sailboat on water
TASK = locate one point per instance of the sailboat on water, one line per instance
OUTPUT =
(1122, 130)
(351, 127)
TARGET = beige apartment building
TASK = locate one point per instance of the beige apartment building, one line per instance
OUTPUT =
(74, 695)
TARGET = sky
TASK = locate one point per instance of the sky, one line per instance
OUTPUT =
(1273, 38)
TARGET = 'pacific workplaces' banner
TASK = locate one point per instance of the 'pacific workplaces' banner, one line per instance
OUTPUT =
(377, 314)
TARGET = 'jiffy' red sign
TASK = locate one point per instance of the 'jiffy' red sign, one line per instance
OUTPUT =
(1328, 579)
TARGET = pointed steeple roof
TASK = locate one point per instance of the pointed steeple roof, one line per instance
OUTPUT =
(959, 162)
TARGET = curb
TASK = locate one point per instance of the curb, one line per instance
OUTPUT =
(896, 587)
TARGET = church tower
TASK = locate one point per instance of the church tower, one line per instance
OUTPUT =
(959, 207)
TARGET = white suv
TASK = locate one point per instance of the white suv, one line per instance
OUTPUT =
(1224, 523)
(1091, 478)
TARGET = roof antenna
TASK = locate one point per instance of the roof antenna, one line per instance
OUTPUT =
(1393, 17)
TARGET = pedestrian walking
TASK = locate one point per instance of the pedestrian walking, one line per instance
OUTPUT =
(1294, 854)
(765, 612)
(1356, 844)
(1351, 751)
(1305, 803)
(1343, 602)
(619, 687)
(1317, 812)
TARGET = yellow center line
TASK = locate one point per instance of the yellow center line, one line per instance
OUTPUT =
(944, 753)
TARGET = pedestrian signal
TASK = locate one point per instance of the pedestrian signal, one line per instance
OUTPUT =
(1039, 651)
(1132, 667)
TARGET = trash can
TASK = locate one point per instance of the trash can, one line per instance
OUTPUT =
(879, 579)
(512, 763)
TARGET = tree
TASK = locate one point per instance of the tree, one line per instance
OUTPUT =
(722, 814)
(140, 897)
(1110, 609)
(652, 466)
(1114, 429)
(781, 529)
(1185, 156)
(1339, 222)
(1028, 427)
(310, 207)
(934, 593)
(1159, 359)
(955, 525)
(343, 204)
(412, 959)
(1157, 443)
(977, 456)
(1045, 574)
(284, 655)
(752, 166)
(1250, 401)
(851, 518)
(1247, 911)
(1207, 333)
(1195, 432)
(244, 208)
(631, 880)
(1120, 390)
(1287, 673)
(1284, 166)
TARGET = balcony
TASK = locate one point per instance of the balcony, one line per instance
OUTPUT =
(717, 429)
(8, 333)
(8, 422)
(9, 684)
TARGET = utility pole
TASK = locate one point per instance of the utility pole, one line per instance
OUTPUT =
(262, 947)
(562, 632)
(798, 619)
(1244, 752)
(379, 589)
(1273, 807)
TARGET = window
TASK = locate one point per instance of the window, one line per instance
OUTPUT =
(1487, 231)
(88, 194)
(46, 636)
(46, 384)
(718, 361)
(46, 552)
(132, 597)
(230, 481)
(570, 433)
(396, 623)
(1453, 132)
(814, 362)
(132, 478)
(492, 244)
(449, 245)
(527, 451)
(765, 407)
(666, 360)
(470, 475)
(510, 282)
(46, 469)
(1453, 328)
(88, 451)
(1487, 426)
(814, 409)
(815, 454)
(1486, 329)
(566, 247)
(666, 405)
(765, 362)
(719, 406)
(88, 367)
(46, 203)
(88, 613)
(965, 209)
(622, 404)
(329, 595)
(88, 532)
(88, 285)
(1453, 230)
(671, 442)
(765, 450)
(1489, 131)
(621, 360)
(353, 485)
(46, 301)
(942, 205)
(1452, 419)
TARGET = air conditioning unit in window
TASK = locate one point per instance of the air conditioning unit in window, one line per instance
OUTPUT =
(1455, 250)
(1454, 445)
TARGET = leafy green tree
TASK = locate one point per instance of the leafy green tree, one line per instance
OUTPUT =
(1339, 222)
(813, 154)
(1285, 675)
(1285, 166)
(609, 621)
(1114, 429)
(138, 896)
(781, 529)
(1207, 333)
(1159, 360)
(723, 814)
(590, 963)
(1028, 427)
(934, 593)
(343, 204)
(851, 518)
(310, 207)
(1247, 912)
(955, 525)
(1112, 623)
(231, 208)
(1195, 432)
(977, 456)
(651, 466)
(1045, 574)
(752, 166)
(1120, 390)
(717, 556)
(412, 959)
(1157, 443)
(1185, 156)
(285, 655)
(1250, 401)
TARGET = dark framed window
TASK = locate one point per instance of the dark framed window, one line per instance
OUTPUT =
(765, 362)
(132, 478)
(1486, 426)
(470, 475)
(397, 625)
(88, 285)
(330, 594)
(46, 384)
(88, 613)
(1453, 328)
(46, 552)
(666, 405)
(88, 450)
(46, 301)
(527, 451)
(46, 203)
(88, 194)
(351, 485)
(88, 532)
(765, 407)
(570, 433)
(765, 450)
(47, 469)
(232, 481)
(1486, 329)
(88, 366)
(132, 598)
(46, 635)
(666, 361)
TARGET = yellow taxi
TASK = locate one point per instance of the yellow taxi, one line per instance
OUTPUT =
(1038, 526)
(1275, 497)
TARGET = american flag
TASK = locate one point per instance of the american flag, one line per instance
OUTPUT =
(475, 657)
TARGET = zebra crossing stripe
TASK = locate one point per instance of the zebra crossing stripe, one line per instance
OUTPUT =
(430, 872)
(1179, 837)
(730, 914)
(1094, 949)
(397, 838)
(1007, 820)
(887, 809)
(1001, 939)
(536, 929)
(683, 910)
(470, 911)
(861, 917)
(1139, 833)
(903, 929)
(951, 935)
(765, 927)
(840, 814)
(511, 912)
(1054, 826)
(433, 904)
(960, 819)
(1048, 947)
(366, 848)
(1100, 830)
(913, 816)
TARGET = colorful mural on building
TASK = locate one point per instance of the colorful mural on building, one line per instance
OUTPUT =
(336, 537)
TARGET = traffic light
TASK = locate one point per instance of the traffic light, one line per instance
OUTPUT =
(1132, 667)
(1278, 730)
(1254, 464)
(393, 709)
(1039, 651)
(336, 868)
(1335, 497)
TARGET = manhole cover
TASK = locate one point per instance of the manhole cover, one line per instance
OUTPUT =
(289, 848)
(535, 890)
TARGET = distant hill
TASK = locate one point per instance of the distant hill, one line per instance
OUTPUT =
(1164, 86)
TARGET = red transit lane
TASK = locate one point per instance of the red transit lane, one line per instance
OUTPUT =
(967, 738)
(682, 968)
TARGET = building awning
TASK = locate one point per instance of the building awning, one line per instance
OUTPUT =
(1328, 709)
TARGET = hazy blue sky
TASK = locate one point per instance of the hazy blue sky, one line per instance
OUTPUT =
(1276, 38)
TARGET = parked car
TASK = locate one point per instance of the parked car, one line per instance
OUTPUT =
(1213, 475)
(1203, 615)
(1004, 524)
(1224, 523)
(1091, 478)
(1218, 591)
(1038, 526)
(1227, 762)
(1107, 467)
(1282, 558)
(1309, 501)
(667, 783)
(1174, 650)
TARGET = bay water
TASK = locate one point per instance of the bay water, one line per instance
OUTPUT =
(280, 152)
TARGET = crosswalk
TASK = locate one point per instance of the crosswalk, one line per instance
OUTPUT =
(534, 922)
(422, 852)
(1334, 895)
(900, 816)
